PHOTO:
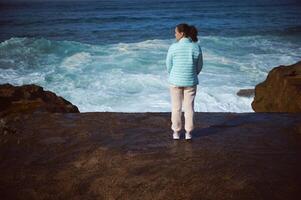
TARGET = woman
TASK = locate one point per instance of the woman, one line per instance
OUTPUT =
(184, 62)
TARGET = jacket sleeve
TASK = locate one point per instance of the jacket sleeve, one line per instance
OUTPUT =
(200, 61)
(169, 60)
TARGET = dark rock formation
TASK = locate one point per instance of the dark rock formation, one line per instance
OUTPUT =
(132, 156)
(31, 98)
(281, 91)
(245, 93)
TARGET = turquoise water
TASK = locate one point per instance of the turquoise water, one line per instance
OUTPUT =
(101, 58)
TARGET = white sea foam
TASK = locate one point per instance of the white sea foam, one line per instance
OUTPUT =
(132, 77)
(77, 60)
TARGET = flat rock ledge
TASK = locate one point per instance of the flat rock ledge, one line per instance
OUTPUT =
(132, 156)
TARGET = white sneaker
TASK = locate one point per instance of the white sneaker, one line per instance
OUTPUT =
(176, 135)
(187, 135)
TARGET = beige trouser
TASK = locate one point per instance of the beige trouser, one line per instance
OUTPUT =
(185, 95)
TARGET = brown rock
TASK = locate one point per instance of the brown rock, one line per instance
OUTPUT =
(31, 98)
(123, 156)
(281, 91)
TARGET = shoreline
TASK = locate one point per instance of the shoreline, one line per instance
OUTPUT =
(50, 150)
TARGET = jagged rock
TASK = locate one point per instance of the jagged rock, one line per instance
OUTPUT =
(281, 91)
(31, 98)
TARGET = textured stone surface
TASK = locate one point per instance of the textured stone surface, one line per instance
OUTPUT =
(281, 91)
(31, 98)
(132, 156)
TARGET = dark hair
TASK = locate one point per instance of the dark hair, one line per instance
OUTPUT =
(189, 31)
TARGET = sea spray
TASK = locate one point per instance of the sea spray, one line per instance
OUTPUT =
(132, 77)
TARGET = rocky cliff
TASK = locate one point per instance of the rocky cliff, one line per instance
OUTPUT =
(281, 91)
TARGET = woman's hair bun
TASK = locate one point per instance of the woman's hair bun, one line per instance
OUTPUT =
(189, 31)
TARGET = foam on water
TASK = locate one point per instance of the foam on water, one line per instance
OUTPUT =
(131, 77)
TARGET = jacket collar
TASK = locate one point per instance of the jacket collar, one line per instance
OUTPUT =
(184, 40)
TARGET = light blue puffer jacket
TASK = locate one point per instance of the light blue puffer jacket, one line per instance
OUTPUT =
(184, 61)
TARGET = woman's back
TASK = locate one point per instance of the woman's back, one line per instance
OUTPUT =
(184, 62)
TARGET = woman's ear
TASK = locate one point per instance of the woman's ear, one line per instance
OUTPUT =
(181, 34)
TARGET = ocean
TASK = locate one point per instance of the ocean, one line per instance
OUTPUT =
(110, 55)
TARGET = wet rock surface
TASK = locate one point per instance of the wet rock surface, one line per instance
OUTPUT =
(246, 93)
(281, 91)
(132, 156)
